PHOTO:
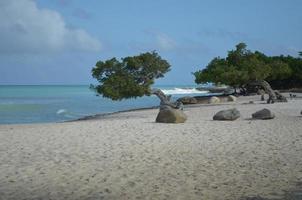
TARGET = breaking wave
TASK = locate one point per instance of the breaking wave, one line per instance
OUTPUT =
(183, 91)
(67, 114)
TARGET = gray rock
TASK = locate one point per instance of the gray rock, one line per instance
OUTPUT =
(263, 114)
(230, 114)
(171, 115)
(187, 100)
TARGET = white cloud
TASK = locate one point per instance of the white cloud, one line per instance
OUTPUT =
(25, 28)
(165, 42)
(159, 41)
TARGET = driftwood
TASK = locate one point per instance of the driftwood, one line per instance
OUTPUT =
(165, 100)
(273, 96)
(169, 112)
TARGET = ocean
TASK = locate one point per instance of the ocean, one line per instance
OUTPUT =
(57, 103)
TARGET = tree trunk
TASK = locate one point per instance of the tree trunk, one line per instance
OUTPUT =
(165, 100)
(267, 88)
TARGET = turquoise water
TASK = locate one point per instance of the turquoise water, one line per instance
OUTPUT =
(56, 103)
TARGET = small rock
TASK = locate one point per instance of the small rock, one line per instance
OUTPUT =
(230, 114)
(232, 98)
(187, 100)
(107, 190)
(214, 99)
(263, 114)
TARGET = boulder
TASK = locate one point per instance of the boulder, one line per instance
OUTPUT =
(232, 98)
(230, 114)
(263, 114)
(213, 100)
(187, 100)
(171, 115)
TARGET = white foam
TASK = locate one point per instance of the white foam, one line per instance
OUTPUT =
(68, 114)
(61, 112)
(183, 91)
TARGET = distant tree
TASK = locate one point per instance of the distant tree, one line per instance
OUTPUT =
(295, 78)
(131, 77)
(242, 67)
(237, 69)
(300, 53)
(279, 70)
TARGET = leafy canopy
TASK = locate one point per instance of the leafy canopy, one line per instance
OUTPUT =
(242, 66)
(129, 78)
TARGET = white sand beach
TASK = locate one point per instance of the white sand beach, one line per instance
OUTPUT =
(129, 156)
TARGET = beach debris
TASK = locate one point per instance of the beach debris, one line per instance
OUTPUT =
(232, 98)
(168, 114)
(230, 115)
(263, 114)
(187, 100)
(214, 100)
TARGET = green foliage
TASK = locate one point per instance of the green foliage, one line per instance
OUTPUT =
(129, 78)
(279, 70)
(295, 79)
(242, 66)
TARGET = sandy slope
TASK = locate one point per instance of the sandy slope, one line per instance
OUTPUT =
(128, 156)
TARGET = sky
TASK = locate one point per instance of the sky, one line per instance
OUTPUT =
(59, 41)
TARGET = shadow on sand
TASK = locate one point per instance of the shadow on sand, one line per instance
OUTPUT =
(295, 194)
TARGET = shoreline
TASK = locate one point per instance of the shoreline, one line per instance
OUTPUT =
(72, 114)
(202, 102)
(201, 99)
(103, 115)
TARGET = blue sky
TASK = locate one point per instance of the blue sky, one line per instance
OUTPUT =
(59, 41)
